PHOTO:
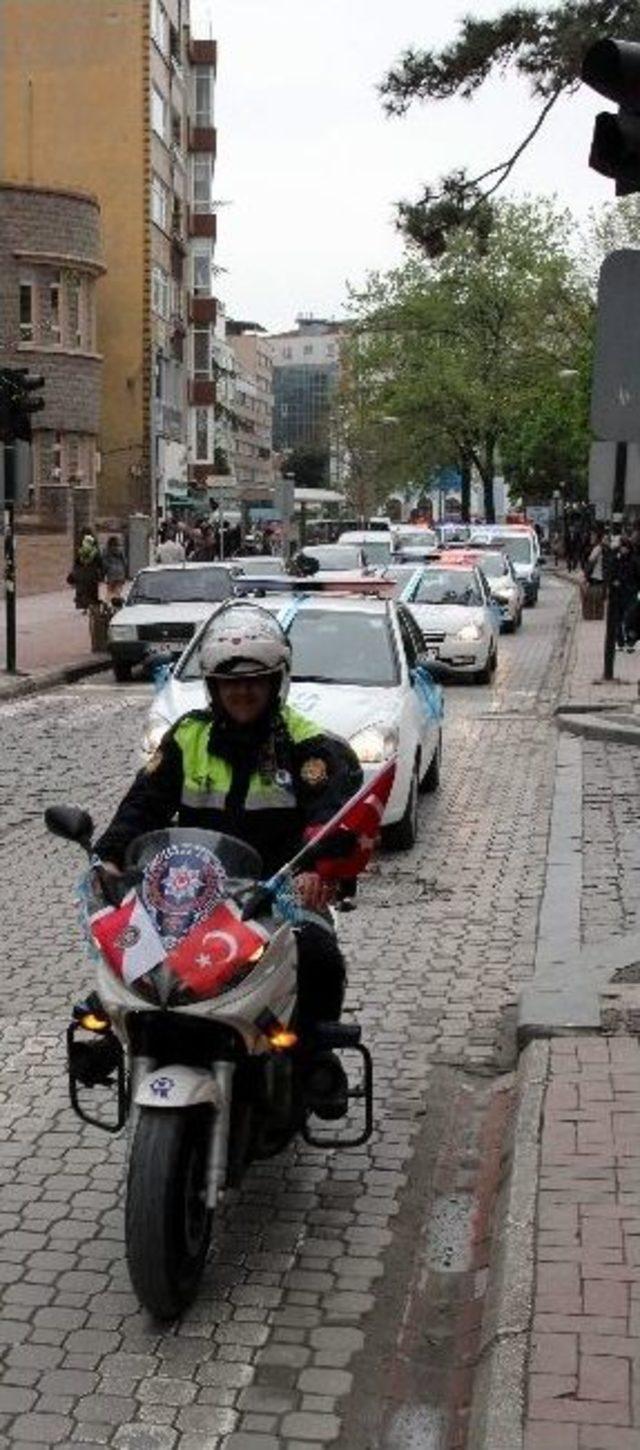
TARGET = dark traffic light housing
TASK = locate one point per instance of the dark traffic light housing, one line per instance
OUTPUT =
(17, 403)
(612, 68)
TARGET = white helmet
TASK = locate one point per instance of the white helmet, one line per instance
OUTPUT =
(244, 639)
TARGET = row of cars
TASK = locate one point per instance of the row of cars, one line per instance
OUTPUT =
(368, 647)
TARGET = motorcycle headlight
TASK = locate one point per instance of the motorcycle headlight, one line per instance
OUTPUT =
(122, 631)
(469, 632)
(153, 733)
(375, 744)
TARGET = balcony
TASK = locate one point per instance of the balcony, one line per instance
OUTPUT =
(202, 392)
(202, 309)
(203, 139)
(203, 52)
(203, 224)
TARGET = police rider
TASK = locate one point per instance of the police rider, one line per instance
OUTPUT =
(252, 767)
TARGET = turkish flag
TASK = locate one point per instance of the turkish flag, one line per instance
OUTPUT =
(218, 952)
(362, 817)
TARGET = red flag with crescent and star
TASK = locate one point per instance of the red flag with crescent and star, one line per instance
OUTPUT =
(218, 951)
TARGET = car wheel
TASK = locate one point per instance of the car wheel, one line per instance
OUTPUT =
(121, 671)
(431, 780)
(402, 836)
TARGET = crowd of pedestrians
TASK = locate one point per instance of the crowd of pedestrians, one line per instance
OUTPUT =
(610, 565)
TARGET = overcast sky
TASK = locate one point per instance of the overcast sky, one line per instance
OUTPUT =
(310, 165)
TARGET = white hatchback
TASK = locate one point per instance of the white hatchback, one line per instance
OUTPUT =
(359, 671)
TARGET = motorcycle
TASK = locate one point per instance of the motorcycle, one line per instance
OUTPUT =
(191, 1033)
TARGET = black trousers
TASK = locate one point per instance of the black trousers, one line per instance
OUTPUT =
(321, 976)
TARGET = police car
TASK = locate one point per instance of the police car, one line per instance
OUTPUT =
(358, 670)
(451, 603)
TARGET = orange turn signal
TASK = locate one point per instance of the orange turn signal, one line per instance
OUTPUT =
(282, 1038)
(93, 1023)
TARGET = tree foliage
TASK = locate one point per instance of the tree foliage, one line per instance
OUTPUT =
(544, 46)
(458, 350)
(309, 466)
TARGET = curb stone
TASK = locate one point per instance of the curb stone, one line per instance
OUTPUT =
(14, 688)
(594, 727)
(498, 1402)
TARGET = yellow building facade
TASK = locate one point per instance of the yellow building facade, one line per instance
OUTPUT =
(100, 95)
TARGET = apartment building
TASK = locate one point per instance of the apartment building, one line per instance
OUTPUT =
(118, 99)
(253, 404)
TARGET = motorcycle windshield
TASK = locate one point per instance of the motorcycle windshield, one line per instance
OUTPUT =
(186, 873)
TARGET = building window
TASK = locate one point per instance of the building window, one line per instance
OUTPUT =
(73, 457)
(56, 457)
(202, 274)
(201, 352)
(160, 291)
(160, 209)
(158, 113)
(202, 435)
(159, 25)
(76, 310)
(204, 96)
(26, 312)
(53, 324)
(202, 179)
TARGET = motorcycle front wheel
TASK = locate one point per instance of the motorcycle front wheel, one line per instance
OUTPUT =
(167, 1222)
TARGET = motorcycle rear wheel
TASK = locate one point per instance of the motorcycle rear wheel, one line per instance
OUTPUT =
(167, 1222)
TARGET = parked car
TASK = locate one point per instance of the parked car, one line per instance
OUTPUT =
(334, 556)
(452, 606)
(358, 669)
(164, 607)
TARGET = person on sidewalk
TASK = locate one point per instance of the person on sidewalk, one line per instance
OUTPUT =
(87, 573)
(115, 570)
(170, 551)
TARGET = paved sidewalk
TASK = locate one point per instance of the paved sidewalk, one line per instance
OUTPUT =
(50, 631)
(583, 1388)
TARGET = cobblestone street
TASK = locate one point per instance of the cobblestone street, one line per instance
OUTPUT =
(328, 1267)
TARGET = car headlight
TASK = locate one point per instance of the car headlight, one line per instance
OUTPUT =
(154, 732)
(375, 744)
(470, 631)
(122, 631)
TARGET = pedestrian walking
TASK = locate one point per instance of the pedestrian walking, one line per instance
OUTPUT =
(87, 573)
(169, 551)
(115, 570)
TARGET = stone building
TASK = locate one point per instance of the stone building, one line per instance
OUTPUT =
(50, 263)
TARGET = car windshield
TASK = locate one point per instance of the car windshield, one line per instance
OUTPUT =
(493, 565)
(416, 539)
(260, 564)
(448, 586)
(376, 551)
(177, 586)
(335, 556)
(334, 647)
(518, 547)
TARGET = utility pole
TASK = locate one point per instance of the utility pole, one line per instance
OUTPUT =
(17, 404)
(10, 555)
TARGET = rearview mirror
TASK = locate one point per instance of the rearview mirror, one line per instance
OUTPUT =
(70, 822)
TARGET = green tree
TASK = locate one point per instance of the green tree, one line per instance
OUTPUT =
(545, 46)
(309, 466)
(457, 348)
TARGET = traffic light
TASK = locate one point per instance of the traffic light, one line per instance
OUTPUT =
(17, 385)
(612, 68)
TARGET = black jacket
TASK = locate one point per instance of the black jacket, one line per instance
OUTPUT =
(322, 772)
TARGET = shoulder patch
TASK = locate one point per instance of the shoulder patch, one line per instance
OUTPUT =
(314, 771)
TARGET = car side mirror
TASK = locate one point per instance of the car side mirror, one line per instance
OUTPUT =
(70, 822)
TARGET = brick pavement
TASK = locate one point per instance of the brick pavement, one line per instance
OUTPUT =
(272, 1350)
(584, 1379)
(51, 632)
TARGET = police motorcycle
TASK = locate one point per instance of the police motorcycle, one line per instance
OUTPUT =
(191, 1035)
